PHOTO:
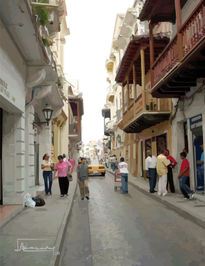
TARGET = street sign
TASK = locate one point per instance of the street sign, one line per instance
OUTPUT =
(195, 121)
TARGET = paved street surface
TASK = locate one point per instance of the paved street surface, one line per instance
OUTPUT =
(129, 230)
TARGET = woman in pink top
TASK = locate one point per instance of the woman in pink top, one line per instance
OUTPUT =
(63, 169)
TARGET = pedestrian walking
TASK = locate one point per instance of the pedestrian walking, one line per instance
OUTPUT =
(183, 176)
(123, 167)
(82, 178)
(162, 170)
(72, 161)
(170, 181)
(151, 172)
(47, 167)
(107, 163)
(63, 169)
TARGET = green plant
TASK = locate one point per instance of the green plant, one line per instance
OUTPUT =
(42, 13)
(45, 42)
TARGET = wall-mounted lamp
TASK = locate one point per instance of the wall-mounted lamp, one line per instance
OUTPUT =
(47, 112)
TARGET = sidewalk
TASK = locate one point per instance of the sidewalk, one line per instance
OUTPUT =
(189, 209)
(41, 227)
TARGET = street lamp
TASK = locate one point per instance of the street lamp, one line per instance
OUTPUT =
(47, 112)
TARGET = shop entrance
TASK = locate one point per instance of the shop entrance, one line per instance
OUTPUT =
(198, 151)
(1, 132)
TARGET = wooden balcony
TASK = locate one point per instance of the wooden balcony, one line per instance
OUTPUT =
(174, 73)
(144, 113)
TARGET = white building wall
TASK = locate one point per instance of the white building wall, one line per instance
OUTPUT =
(191, 107)
(29, 141)
(12, 101)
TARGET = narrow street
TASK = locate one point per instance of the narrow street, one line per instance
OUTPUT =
(129, 230)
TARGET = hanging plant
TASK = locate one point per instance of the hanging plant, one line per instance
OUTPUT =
(46, 42)
(41, 13)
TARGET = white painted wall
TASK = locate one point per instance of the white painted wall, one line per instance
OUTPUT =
(193, 106)
(13, 72)
(12, 101)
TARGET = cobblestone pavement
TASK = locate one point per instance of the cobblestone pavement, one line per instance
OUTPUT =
(129, 230)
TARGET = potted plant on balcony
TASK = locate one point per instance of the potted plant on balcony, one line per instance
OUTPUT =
(41, 13)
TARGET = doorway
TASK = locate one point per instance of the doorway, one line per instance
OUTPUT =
(1, 179)
(198, 146)
(161, 143)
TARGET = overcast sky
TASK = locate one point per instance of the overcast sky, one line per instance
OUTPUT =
(91, 24)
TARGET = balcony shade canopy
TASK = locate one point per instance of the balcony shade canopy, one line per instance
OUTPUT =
(73, 104)
(146, 120)
(132, 56)
(159, 11)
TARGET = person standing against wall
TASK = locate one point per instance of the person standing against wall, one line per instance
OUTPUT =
(162, 170)
(82, 178)
(123, 167)
(151, 173)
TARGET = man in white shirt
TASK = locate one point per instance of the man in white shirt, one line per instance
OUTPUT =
(123, 167)
(151, 173)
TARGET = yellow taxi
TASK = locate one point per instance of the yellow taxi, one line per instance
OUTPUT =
(96, 169)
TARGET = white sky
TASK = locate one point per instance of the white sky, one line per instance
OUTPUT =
(91, 24)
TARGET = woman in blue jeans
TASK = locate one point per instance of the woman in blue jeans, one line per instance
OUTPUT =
(47, 173)
(123, 167)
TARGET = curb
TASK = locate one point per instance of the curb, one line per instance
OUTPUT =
(183, 213)
(56, 258)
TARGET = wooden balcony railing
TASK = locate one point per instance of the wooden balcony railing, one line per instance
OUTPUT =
(145, 103)
(156, 104)
(192, 33)
(166, 61)
(193, 30)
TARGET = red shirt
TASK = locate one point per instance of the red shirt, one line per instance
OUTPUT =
(171, 159)
(184, 165)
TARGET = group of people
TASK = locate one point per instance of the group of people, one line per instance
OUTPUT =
(162, 166)
(63, 171)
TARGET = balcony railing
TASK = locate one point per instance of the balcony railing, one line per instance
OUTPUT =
(192, 33)
(145, 104)
(166, 61)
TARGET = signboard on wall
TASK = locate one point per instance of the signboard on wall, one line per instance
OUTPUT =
(195, 121)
